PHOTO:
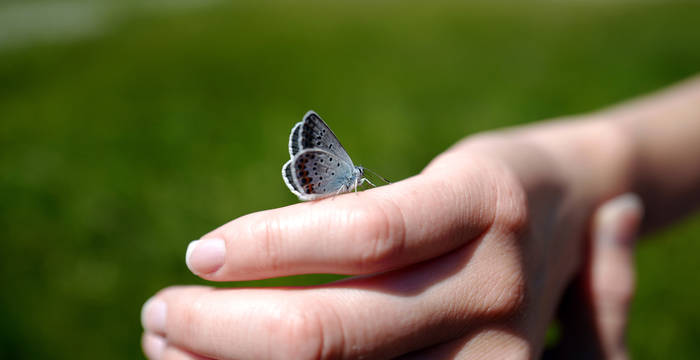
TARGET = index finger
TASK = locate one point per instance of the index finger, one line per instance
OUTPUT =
(357, 233)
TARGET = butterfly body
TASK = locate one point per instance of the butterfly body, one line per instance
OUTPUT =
(319, 165)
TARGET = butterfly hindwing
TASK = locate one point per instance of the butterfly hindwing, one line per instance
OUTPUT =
(288, 177)
(319, 173)
(315, 134)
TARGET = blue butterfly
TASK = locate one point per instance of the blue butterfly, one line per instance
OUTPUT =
(319, 165)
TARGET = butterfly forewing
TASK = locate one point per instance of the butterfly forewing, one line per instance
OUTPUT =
(294, 142)
(315, 134)
(318, 173)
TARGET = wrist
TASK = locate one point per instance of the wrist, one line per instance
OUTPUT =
(592, 158)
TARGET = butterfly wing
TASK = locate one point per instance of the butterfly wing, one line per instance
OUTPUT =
(294, 143)
(314, 133)
(288, 177)
(318, 173)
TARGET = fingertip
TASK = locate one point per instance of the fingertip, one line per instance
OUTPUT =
(188, 253)
(205, 256)
(153, 315)
(153, 345)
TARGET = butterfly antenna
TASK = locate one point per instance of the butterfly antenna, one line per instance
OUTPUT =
(379, 176)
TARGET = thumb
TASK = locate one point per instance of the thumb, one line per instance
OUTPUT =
(612, 281)
(593, 312)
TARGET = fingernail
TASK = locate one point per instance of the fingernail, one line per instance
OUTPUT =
(619, 219)
(205, 256)
(153, 315)
(153, 346)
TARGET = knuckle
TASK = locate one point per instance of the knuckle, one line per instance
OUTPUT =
(381, 235)
(506, 294)
(497, 342)
(507, 298)
(186, 318)
(266, 232)
(517, 351)
(297, 333)
(512, 215)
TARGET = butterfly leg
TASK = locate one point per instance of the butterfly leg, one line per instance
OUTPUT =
(369, 182)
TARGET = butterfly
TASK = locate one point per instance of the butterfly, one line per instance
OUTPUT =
(319, 166)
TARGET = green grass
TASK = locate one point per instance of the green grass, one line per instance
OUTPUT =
(116, 151)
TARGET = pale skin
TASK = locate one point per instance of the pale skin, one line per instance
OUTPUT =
(470, 259)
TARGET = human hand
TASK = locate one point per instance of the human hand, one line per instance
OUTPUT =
(470, 258)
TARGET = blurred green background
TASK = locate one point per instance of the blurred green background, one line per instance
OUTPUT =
(128, 130)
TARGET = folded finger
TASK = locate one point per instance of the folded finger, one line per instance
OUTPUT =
(487, 343)
(373, 317)
(156, 347)
(175, 353)
(153, 345)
